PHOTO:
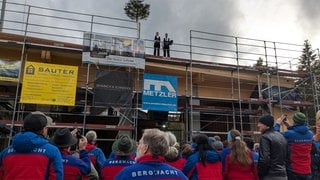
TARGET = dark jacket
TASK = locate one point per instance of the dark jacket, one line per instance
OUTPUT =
(156, 42)
(272, 154)
(315, 161)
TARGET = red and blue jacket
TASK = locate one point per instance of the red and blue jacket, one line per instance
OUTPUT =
(96, 156)
(212, 169)
(299, 139)
(75, 168)
(148, 167)
(111, 167)
(31, 156)
(179, 163)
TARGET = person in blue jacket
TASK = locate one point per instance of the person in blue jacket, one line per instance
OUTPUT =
(299, 138)
(150, 163)
(74, 168)
(205, 162)
(96, 155)
(31, 156)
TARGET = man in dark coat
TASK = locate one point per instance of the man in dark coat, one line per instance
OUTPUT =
(272, 151)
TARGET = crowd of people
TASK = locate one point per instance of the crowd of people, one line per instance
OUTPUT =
(289, 155)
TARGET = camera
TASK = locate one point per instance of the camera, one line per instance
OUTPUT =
(79, 133)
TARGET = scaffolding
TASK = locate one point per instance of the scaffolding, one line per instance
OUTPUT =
(208, 59)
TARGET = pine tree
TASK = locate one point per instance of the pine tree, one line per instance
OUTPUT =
(306, 87)
(308, 58)
(259, 62)
(137, 10)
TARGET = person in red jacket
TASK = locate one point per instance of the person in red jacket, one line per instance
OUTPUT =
(31, 156)
(239, 163)
(123, 148)
(74, 168)
(205, 162)
(299, 138)
(150, 163)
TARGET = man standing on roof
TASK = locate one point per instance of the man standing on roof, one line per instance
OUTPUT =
(166, 45)
(31, 156)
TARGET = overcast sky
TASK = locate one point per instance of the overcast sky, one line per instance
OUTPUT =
(290, 21)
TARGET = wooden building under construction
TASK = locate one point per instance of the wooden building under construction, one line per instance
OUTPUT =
(217, 89)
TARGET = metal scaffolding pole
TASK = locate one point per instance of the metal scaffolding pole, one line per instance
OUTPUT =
(268, 77)
(239, 87)
(278, 78)
(3, 11)
(191, 88)
(19, 77)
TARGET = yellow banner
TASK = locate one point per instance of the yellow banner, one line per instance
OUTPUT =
(50, 84)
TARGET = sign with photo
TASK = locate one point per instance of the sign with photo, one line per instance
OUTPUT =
(9, 70)
(114, 51)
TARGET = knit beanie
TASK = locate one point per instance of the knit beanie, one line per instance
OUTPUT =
(299, 118)
(267, 120)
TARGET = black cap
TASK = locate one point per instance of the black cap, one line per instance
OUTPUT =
(36, 121)
(267, 120)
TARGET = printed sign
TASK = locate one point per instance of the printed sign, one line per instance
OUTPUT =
(114, 51)
(9, 70)
(50, 84)
(159, 92)
(113, 88)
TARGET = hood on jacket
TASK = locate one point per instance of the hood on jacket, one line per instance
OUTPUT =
(27, 141)
(212, 156)
(89, 147)
(301, 129)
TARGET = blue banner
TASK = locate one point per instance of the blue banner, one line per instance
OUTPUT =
(159, 92)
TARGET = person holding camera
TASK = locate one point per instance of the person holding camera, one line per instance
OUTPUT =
(74, 168)
(299, 139)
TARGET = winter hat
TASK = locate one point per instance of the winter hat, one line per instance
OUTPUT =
(124, 146)
(211, 141)
(267, 120)
(36, 121)
(299, 118)
(218, 145)
(63, 138)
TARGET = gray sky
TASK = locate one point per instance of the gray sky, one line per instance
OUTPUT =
(290, 21)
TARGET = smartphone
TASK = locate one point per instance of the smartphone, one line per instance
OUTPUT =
(284, 117)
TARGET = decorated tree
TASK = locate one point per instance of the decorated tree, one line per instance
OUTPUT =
(137, 10)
